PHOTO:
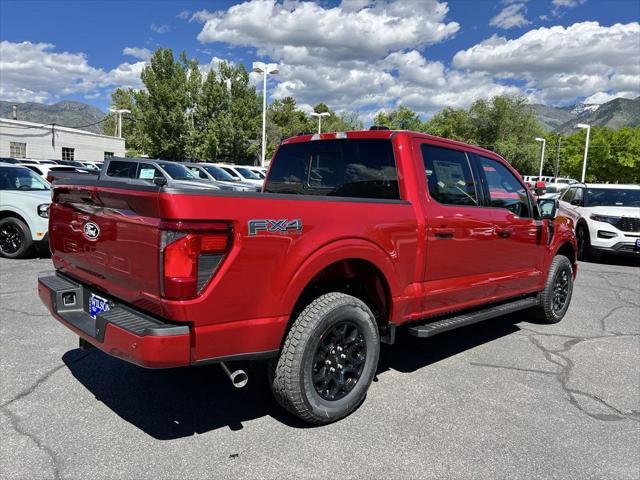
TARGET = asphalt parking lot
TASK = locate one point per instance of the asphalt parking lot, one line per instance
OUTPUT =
(504, 399)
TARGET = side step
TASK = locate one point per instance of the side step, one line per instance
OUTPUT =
(462, 320)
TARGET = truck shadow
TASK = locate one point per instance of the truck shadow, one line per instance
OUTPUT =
(176, 403)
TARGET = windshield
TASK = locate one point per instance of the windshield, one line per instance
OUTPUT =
(613, 197)
(218, 173)
(246, 173)
(20, 178)
(177, 172)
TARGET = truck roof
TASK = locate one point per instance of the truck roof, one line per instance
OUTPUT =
(384, 135)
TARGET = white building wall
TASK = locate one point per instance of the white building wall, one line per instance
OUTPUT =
(43, 143)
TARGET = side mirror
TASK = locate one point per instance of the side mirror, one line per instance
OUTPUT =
(548, 208)
(576, 202)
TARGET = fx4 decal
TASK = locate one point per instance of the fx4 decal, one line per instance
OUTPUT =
(281, 226)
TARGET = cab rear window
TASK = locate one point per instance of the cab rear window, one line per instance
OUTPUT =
(341, 168)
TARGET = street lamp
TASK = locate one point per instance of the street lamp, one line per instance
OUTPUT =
(586, 149)
(544, 144)
(320, 115)
(119, 111)
(265, 69)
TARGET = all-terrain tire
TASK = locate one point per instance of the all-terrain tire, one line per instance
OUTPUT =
(556, 295)
(15, 238)
(292, 375)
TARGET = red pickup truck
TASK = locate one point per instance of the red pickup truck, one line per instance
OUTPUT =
(354, 235)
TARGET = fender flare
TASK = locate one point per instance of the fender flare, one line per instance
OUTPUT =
(18, 213)
(344, 249)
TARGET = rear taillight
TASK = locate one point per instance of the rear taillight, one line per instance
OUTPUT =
(190, 256)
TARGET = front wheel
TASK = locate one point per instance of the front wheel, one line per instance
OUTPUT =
(584, 243)
(556, 296)
(15, 238)
(328, 360)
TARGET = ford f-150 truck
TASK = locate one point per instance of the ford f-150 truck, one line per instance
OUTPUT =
(355, 235)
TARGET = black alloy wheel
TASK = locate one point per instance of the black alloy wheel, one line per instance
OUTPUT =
(339, 360)
(11, 238)
(15, 238)
(560, 290)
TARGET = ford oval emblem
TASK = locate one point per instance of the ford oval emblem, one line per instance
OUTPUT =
(91, 230)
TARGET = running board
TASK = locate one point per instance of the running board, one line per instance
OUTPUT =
(431, 329)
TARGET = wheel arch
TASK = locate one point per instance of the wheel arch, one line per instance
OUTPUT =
(343, 262)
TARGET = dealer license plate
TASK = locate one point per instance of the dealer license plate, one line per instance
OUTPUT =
(97, 305)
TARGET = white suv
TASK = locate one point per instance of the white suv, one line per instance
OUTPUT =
(24, 211)
(606, 216)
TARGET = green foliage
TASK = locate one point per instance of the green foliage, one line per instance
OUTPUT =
(401, 119)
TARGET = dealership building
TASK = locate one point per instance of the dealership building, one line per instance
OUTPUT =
(19, 139)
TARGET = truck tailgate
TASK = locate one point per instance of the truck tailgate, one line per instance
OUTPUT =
(109, 238)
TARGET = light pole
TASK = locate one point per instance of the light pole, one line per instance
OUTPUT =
(586, 149)
(265, 69)
(119, 111)
(320, 115)
(544, 144)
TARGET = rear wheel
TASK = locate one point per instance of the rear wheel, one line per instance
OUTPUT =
(556, 296)
(328, 360)
(15, 238)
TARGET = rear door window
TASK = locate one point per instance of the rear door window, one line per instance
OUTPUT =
(121, 169)
(341, 168)
(449, 176)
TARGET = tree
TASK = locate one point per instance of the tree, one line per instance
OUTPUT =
(123, 98)
(403, 118)
(164, 104)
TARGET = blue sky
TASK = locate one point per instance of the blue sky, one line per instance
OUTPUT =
(357, 54)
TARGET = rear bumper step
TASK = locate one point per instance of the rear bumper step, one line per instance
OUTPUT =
(462, 320)
(121, 331)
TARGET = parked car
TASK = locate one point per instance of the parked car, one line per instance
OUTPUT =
(92, 165)
(9, 160)
(355, 235)
(243, 174)
(71, 163)
(152, 171)
(43, 170)
(261, 172)
(24, 210)
(219, 177)
(606, 217)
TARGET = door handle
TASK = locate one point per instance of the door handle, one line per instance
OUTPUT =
(504, 232)
(443, 233)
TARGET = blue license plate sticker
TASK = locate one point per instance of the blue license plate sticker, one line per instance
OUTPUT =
(97, 305)
(637, 243)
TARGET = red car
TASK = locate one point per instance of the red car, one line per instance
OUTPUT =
(355, 235)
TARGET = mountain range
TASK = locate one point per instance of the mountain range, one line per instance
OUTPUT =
(617, 113)
(67, 113)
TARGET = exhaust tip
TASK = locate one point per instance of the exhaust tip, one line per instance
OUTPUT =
(239, 378)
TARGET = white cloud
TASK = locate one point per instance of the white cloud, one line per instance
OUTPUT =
(567, 3)
(141, 53)
(561, 63)
(160, 28)
(329, 33)
(184, 15)
(35, 72)
(510, 16)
